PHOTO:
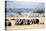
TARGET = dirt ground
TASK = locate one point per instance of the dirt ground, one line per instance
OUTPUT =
(21, 27)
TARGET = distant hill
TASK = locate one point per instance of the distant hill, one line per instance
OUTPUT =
(24, 10)
(39, 11)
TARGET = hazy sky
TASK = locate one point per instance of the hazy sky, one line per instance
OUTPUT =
(24, 4)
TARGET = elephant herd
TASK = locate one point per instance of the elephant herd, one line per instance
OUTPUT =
(22, 22)
(26, 21)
